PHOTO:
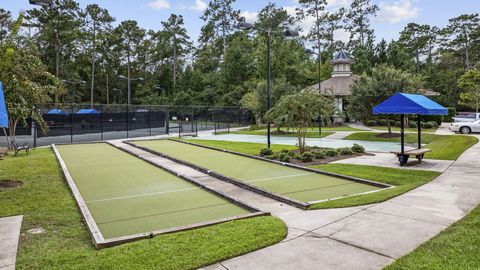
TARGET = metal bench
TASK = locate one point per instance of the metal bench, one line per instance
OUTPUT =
(19, 148)
(418, 153)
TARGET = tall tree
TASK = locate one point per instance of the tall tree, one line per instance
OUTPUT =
(130, 36)
(98, 24)
(223, 17)
(461, 29)
(5, 23)
(176, 33)
(59, 29)
(357, 20)
(330, 23)
(470, 83)
(416, 37)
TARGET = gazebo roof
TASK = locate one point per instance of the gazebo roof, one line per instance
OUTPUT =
(401, 103)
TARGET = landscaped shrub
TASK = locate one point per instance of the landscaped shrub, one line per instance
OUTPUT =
(283, 157)
(412, 124)
(356, 148)
(306, 157)
(274, 157)
(427, 125)
(392, 122)
(332, 153)
(451, 113)
(382, 122)
(320, 154)
(398, 123)
(291, 154)
(346, 151)
(266, 152)
(435, 118)
(371, 123)
(434, 124)
(285, 151)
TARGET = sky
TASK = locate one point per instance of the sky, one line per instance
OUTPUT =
(392, 18)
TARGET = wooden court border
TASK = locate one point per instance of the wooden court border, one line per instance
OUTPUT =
(278, 197)
(97, 237)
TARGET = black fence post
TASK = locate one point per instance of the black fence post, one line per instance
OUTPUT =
(196, 129)
(228, 128)
(150, 121)
(128, 120)
(180, 129)
(101, 124)
(167, 121)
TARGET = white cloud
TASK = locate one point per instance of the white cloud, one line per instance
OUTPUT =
(159, 4)
(397, 11)
(200, 5)
(250, 16)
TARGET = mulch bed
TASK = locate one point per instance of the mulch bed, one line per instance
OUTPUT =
(326, 160)
(10, 183)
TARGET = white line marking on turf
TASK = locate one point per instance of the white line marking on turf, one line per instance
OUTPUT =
(141, 195)
(278, 177)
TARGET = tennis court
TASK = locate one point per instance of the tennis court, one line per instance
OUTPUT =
(128, 196)
(297, 184)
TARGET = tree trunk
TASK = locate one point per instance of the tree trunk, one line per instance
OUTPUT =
(389, 127)
(467, 57)
(417, 59)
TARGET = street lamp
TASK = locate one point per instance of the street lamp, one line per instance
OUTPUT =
(42, 3)
(129, 82)
(319, 57)
(81, 82)
(287, 33)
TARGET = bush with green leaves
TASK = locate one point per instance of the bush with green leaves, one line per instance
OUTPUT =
(320, 154)
(266, 152)
(291, 154)
(434, 124)
(306, 157)
(274, 156)
(382, 122)
(412, 124)
(332, 152)
(345, 151)
(284, 157)
(427, 125)
(398, 123)
(392, 122)
(371, 123)
(285, 151)
(356, 148)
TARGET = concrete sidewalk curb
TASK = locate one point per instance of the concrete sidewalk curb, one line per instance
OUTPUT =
(9, 237)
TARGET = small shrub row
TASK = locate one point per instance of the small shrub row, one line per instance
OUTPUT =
(411, 124)
(312, 153)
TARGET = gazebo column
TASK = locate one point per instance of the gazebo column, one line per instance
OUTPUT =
(419, 128)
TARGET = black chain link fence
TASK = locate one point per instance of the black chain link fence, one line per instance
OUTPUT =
(83, 123)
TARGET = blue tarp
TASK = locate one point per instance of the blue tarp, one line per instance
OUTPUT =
(87, 111)
(3, 109)
(57, 112)
(401, 103)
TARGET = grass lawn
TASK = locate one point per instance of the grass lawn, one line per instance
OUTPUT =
(241, 147)
(403, 180)
(46, 201)
(446, 147)
(406, 129)
(457, 247)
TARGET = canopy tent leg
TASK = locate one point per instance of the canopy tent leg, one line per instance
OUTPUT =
(419, 128)
(402, 135)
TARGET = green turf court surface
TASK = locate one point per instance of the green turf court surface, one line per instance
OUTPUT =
(128, 196)
(289, 182)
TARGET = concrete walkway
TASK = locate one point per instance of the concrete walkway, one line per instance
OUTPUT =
(373, 236)
(339, 135)
(443, 129)
(388, 160)
(9, 234)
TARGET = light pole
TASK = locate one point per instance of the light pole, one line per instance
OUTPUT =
(287, 33)
(319, 58)
(81, 82)
(129, 82)
(120, 92)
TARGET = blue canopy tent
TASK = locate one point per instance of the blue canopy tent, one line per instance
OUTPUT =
(87, 111)
(3, 109)
(401, 104)
(57, 112)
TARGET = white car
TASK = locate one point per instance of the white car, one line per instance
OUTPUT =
(466, 118)
(466, 127)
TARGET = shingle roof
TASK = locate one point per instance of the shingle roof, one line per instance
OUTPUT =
(337, 86)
